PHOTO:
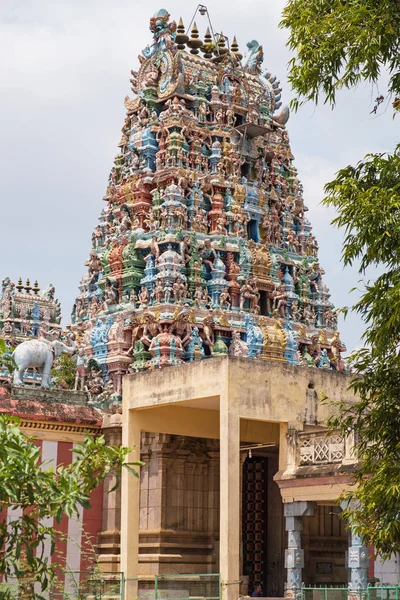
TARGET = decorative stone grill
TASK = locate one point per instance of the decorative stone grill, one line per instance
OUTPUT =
(321, 449)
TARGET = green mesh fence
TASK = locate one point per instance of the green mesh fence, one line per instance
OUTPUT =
(386, 592)
(324, 593)
(81, 585)
(187, 587)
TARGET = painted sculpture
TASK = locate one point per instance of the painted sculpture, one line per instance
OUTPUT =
(203, 246)
(39, 354)
(26, 311)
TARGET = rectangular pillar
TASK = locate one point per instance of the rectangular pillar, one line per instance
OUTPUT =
(130, 504)
(294, 555)
(229, 500)
(358, 559)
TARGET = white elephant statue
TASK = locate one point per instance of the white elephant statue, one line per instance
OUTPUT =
(39, 354)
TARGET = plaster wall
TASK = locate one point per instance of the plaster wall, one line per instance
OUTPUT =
(388, 571)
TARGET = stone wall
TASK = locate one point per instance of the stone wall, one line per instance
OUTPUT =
(179, 507)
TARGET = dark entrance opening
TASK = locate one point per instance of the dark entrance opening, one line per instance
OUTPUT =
(262, 526)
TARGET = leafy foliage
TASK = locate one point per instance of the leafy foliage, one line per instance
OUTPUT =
(367, 198)
(36, 492)
(6, 359)
(340, 43)
(63, 373)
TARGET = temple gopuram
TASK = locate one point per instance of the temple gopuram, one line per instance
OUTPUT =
(206, 341)
(203, 247)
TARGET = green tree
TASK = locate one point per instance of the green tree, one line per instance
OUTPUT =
(6, 359)
(30, 486)
(337, 44)
(340, 43)
(64, 371)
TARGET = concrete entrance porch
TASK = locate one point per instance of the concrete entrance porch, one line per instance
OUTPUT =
(236, 402)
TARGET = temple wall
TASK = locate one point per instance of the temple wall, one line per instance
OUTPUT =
(179, 507)
(388, 571)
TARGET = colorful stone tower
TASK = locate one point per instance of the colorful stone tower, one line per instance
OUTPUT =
(27, 312)
(203, 247)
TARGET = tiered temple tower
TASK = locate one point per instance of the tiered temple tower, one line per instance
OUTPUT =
(27, 312)
(203, 246)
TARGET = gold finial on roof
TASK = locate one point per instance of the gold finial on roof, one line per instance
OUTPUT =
(28, 286)
(221, 44)
(207, 47)
(36, 287)
(235, 49)
(19, 285)
(194, 43)
(181, 38)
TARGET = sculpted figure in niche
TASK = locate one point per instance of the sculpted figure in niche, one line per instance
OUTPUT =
(291, 241)
(150, 329)
(143, 297)
(198, 296)
(182, 328)
(237, 346)
(94, 307)
(137, 327)
(133, 297)
(94, 266)
(315, 349)
(309, 316)
(330, 319)
(314, 278)
(208, 331)
(176, 291)
(279, 298)
(221, 222)
(167, 293)
(224, 299)
(249, 291)
(158, 292)
(206, 298)
(95, 385)
(126, 222)
(154, 248)
(296, 314)
(184, 248)
(208, 255)
(110, 295)
(81, 363)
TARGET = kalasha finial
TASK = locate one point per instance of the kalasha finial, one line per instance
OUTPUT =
(19, 285)
(221, 44)
(235, 49)
(28, 286)
(36, 287)
(181, 38)
(194, 43)
(207, 46)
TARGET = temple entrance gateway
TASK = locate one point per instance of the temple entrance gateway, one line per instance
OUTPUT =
(263, 537)
(206, 400)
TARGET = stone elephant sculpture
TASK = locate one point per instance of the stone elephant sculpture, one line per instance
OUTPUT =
(39, 354)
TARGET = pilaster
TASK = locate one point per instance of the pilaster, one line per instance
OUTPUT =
(294, 555)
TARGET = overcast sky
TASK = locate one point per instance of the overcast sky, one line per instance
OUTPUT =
(64, 72)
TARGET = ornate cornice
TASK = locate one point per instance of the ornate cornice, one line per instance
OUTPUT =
(59, 427)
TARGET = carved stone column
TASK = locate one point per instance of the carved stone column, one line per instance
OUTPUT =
(294, 555)
(108, 546)
(358, 562)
